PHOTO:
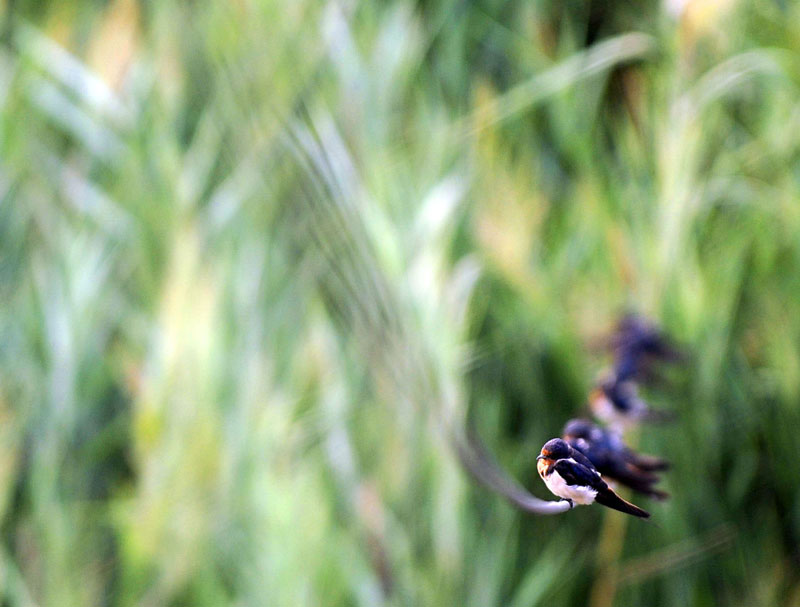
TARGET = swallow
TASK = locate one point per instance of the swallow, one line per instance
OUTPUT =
(570, 475)
(616, 402)
(636, 344)
(613, 459)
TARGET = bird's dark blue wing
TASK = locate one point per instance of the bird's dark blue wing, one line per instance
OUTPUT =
(598, 455)
(619, 393)
(627, 365)
(583, 459)
(575, 473)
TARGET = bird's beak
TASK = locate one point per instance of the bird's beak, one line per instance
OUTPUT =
(540, 457)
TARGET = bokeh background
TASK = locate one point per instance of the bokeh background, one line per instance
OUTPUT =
(258, 258)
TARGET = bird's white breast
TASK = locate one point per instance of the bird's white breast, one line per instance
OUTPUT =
(577, 493)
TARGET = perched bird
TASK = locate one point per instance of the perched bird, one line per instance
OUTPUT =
(636, 344)
(616, 402)
(613, 459)
(570, 475)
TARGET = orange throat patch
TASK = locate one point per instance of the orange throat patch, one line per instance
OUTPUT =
(543, 466)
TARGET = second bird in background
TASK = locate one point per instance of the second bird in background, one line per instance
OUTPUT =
(614, 460)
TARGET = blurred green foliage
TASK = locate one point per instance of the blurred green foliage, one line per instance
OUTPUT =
(256, 257)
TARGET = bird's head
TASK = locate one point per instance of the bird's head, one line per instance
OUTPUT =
(555, 449)
(578, 428)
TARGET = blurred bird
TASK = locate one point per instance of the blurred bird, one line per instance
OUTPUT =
(636, 344)
(570, 475)
(616, 402)
(613, 459)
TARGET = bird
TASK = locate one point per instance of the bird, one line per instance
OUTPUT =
(613, 459)
(636, 344)
(616, 403)
(570, 475)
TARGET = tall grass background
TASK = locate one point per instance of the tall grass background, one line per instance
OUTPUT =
(259, 258)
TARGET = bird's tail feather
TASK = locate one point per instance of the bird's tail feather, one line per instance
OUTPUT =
(631, 476)
(658, 416)
(610, 499)
(648, 490)
(649, 463)
(641, 482)
(655, 494)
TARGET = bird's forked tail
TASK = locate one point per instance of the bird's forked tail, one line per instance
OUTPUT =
(610, 499)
